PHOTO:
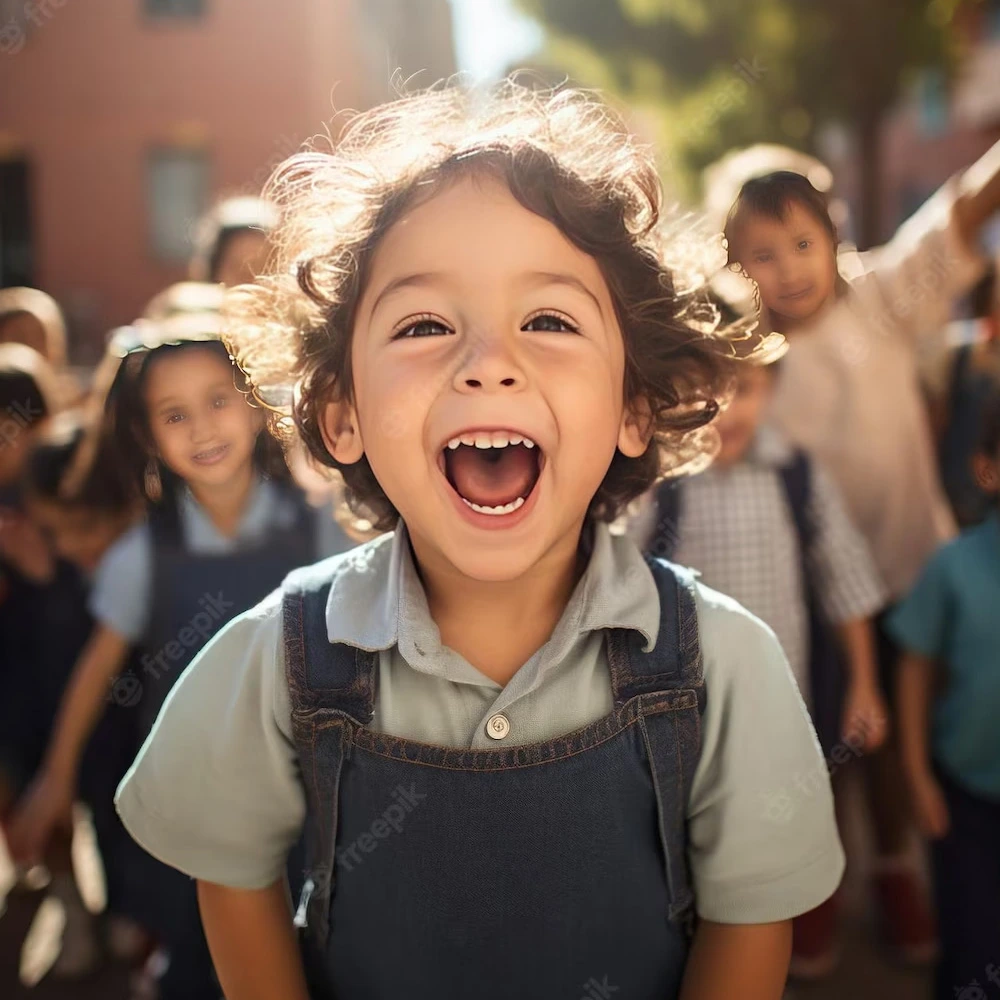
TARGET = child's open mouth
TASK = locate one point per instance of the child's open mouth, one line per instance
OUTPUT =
(493, 472)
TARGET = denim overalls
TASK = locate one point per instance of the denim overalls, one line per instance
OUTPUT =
(194, 595)
(555, 869)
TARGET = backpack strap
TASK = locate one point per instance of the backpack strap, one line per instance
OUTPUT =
(796, 478)
(827, 676)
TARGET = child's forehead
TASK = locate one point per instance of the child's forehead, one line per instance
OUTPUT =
(475, 225)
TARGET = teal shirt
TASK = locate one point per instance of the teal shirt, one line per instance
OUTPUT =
(953, 615)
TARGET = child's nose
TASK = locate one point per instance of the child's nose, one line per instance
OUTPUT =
(490, 365)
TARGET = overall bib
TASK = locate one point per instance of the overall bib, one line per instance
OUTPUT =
(554, 869)
(194, 595)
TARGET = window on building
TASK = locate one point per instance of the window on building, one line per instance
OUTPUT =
(165, 9)
(177, 185)
(16, 233)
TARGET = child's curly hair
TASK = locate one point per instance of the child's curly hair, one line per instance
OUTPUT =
(565, 157)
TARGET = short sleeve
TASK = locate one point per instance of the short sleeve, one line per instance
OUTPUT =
(215, 791)
(123, 582)
(919, 622)
(849, 583)
(763, 842)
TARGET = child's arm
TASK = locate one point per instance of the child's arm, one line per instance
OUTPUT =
(933, 258)
(749, 961)
(979, 199)
(849, 588)
(865, 717)
(914, 684)
(252, 942)
(47, 802)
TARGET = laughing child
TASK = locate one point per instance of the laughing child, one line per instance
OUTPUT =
(526, 760)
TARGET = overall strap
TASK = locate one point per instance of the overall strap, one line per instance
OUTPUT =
(321, 674)
(672, 672)
(164, 519)
(330, 686)
(796, 478)
(674, 663)
(669, 500)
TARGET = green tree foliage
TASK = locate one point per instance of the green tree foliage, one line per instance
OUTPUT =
(708, 75)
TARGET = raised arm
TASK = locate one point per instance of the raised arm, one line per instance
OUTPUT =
(934, 257)
(252, 942)
(979, 197)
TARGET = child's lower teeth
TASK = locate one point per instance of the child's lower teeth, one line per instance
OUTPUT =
(507, 508)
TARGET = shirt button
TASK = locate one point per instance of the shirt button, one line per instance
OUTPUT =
(498, 727)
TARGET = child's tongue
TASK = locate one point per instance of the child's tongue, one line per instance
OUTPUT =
(491, 477)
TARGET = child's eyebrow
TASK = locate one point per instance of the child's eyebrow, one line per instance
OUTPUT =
(539, 278)
(418, 280)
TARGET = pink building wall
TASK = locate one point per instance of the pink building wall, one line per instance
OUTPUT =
(96, 85)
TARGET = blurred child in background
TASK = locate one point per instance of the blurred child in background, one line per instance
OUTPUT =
(42, 623)
(77, 496)
(949, 707)
(231, 245)
(849, 395)
(961, 372)
(766, 526)
(29, 316)
(225, 525)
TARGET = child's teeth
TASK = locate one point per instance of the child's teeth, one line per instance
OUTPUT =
(508, 508)
(489, 439)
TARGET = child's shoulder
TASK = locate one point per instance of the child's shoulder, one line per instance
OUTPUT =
(725, 625)
(365, 565)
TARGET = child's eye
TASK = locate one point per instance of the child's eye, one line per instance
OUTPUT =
(804, 244)
(762, 258)
(550, 323)
(173, 418)
(425, 327)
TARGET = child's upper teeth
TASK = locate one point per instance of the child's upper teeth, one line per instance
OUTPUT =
(489, 439)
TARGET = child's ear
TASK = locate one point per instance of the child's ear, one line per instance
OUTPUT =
(985, 472)
(341, 433)
(636, 428)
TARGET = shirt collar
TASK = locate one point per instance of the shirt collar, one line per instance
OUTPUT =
(770, 448)
(264, 510)
(377, 602)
